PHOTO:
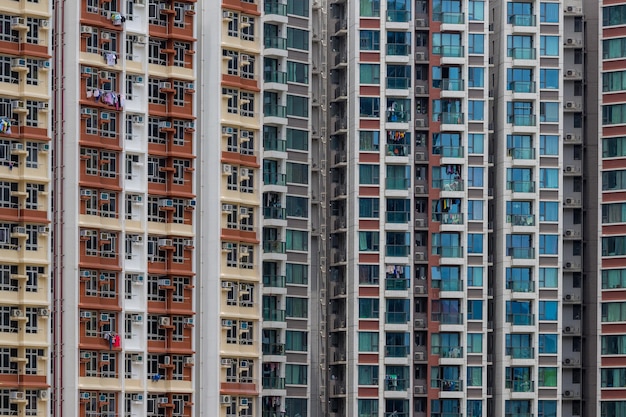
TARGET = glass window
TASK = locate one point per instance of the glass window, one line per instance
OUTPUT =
(476, 77)
(475, 276)
(549, 310)
(297, 106)
(614, 147)
(297, 38)
(546, 408)
(548, 244)
(549, 112)
(299, 8)
(474, 243)
(296, 341)
(614, 15)
(368, 341)
(613, 312)
(614, 81)
(476, 110)
(369, 208)
(549, 12)
(370, 40)
(369, 174)
(614, 344)
(297, 206)
(297, 72)
(368, 308)
(475, 143)
(369, 241)
(297, 240)
(549, 211)
(474, 376)
(369, 107)
(297, 406)
(476, 43)
(297, 307)
(474, 309)
(475, 176)
(369, 140)
(297, 274)
(548, 343)
(476, 10)
(474, 343)
(474, 210)
(614, 114)
(613, 180)
(548, 377)
(548, 277)
(368, 374)
(549, 79)
(297, 173)
(296, 374)
(370, 8)
(297, 140)
(369, 73)
(613, 278)
(614, 48)
(549, 145)
(549, 45)
(548, 178)
(474, 408)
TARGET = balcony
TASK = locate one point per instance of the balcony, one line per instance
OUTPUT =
(392, 383)
(448, 184)
(522, 153)
(398, 116)
(448, 218)
(520, 286)
(521, 319)
(397, 183)
(522, 53)
(274, 110)
(448, 251)
(523, 20)
(450, 385)
(453, 352)
(273, 246)
(398, 49)
(448, 284)
(449, 51)
(396, 351)
(274, 281)
(275, 213)
(398, 83)
(449, 151)
(522, 86)
(273, 348)
(271, 143)
(273, 315)
(521, 253)
(274, 178)
(275, 7)
(398, 317)
(522, 119)
(273, 382)
(521, 186)
(397, 250)
(521, 219)
(447, 318)
(450, 84)
(449, 118)
(398, 216)
(398, 149)
(520, 386)
(275, 77)
(397, 284)
(449, 18)
(275, 42)
(521, 352)
(398, 16)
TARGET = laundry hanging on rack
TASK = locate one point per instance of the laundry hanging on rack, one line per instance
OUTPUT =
(5, 126)
(117, 19)
(110, 58)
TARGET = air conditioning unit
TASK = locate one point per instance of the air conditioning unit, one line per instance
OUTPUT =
(84, 396)
(571, 330)
(228, 246)
(227, 208)
(244, 60)
(43, 312)
(189, 125)
(19, 230)
(85, 355)
(420, 56)
(571, 73)
(137, 239)
(420, 289)
(226, 362)
(225, 399)
(104, 317)
(570, 138)
(420, 89)
(228, 16)
(419, 356)
(243, 326)
(420, 256)
(163, 400)
(571, 361)
(227, 323)
(571, 394)
(44, 147)
(138, 79)
(104, 196)
(138, 120)
(165, 243)
(227, 169)
(42, 394)
(165, 85)
(188, 243)
(243, 402)
(137, 358)
(164, 321)
(105, 36)
(137, 398)
(189, 360)
(17, 395)
(42, 105)
(188, 321)
(419, 323)
(105, 236)
(105, 75)
(227, 284)
(245, 173)
(165, 282)
(571, 297)
(571, 105)
(18, 63)
(165, 125)
(137, 318)
(420, 389)
(420, 123)
(85, 314)
(166, 202)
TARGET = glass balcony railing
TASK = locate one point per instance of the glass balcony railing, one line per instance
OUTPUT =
(398, 216)
(452, 84)
(397, 250)
(275, 42)
(520, 352)
(397, 284)
(519, 415)
(274, 281)
(398, 317)
(523, 20)
(523, 53)
(398, 49)
(399, 16)
(449, 151)
(273, 246)
(448, 284)
(397, 351)
(520, 286)
(522, 153)
(273, 315)
(447, 318)
(273, 382)
(522, 86)
(521, 186)
(397, 183)
(521, 253)
(448, 351)
(452, 385)
(523, 119)
(398, 149)
(398, 116)
(275, 7)
(398, 83)
(448, 218)
(448, 251)
(449, 118)
(274, 144)
(450, 51)
(275, 77)
(273, 348)
(521, 219)
(395, 384)
(276, 213)
(274, 178)
(449, 17)
(520, 386)
(520, 319)
(448, 184)
(274, 110)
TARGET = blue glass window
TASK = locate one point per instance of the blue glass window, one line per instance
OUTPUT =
(549, 45)
(549, 211)
(476, 77)
(549, 310)
(549, 79)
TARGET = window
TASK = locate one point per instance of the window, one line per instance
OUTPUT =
(613, 312)
(368, 341)
(614, 344)
(369, 74)
(369, 107)
(369, 174)
(476, 110)
(296, 374)
(369, 207)
(549, 12)
(614, 114)
(296, 406)
(549, 145)
(297, 240)
(370, 40)
(549, 45)
(369, 140)
(548, 377)
(476, 77)
(368, 308)
(549, 79)
(476, 43)
(476, 10)
(296, 341)
(297, 72)
(614, 246)
(297, 206)
(549, 211)
(548, 178)
(369, 241)
(297, 173)
(548, 277)
(548, 343)
(613, 48)
(475, 276)
(474, 243)
(299, 8)
(297, 307)
(368, 375)
(474, 376)
(549, 112)
(614, 81)
(369, 274)
(475, 143)
(370, 8)
(475, 210)
(475, 176)
(474, 343)
(297, 106)
(548, 244)
(297, 140)
(297, 39)
(549, 310)
(474, 309)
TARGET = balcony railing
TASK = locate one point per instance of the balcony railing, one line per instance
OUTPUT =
(448, 284)
(448, 184)
(520, 352)
(398, 49)
(447, 318)
(520, 386)
(397, 250)
(398, 149)
(522, 153)
(274, 178)
(523, 119)
(521, 219)
(449, 17)
(448, 218)
(449, 84)
(449, 151)
(275, 42)
(449, 118)
(274, 246)
(397, 284)
(273, 348)
(274, 144)
(520, 286)
(522, 86)
(397, 116)
(398, 83)
(275, 110)
(521, 253)
(273, 382)
(274, 281)
(399, 16)
(273, 315)
(398, 317)
(276, 213)
(395, 384)
(522, 53)
(397, 183)
(396, 351)
(448, 251)
(275, 77)
(523, 20)
(521, 186)
(450, 51)
(448, 351)
(398, 216)
(521, 319)
(451, 385)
